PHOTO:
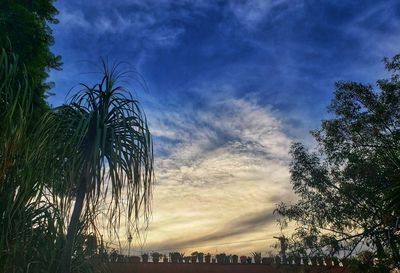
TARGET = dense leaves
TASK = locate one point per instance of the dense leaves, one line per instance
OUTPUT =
(24, 30)
(348, 187)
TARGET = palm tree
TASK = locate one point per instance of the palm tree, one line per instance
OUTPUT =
(103, 140)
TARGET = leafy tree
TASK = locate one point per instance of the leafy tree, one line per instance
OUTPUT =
(102, 152)
(24, 28)
(348, 187)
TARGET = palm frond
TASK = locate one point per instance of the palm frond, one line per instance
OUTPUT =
(104, 129)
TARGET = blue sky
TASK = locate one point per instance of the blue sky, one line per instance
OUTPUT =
(230, 84)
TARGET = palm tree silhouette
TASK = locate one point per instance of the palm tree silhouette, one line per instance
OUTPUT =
(103, 135)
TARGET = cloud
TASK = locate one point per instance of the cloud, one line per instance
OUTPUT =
(232, 84)
(252, 13)
(243, 225)
(220, 171)
(73, 19)
(241, 126)
(143, 22)
(367, 27)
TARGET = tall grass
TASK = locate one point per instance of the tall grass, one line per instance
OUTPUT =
(29, 225)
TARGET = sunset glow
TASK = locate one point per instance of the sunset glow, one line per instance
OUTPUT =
(227, 86)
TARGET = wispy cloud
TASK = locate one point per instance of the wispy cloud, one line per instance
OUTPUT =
(73, 19)
(245, 224)
(252, 13)
(232, 83)
(220, 172)
(147, 25)
(233, 126)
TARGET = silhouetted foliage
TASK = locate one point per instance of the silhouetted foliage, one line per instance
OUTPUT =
(24, 30)
(97, 143)
(30, 230)
(101, 150)
(348, 187)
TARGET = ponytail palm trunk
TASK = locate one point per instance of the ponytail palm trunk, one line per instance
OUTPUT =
(105, 145)
(65, 264)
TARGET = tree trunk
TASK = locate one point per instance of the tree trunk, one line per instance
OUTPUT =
(65, 262)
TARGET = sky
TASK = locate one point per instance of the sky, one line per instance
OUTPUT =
(227, 86)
